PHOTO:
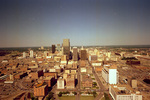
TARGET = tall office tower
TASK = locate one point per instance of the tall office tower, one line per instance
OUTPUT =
(58, 47)
(53, 48)
(24, 54)
(66, 47)
(66, 43)
(45, 53)
(31, 53)
(75, 53)
(42, 47)
(83, 55)
(82, 48)
(108, 54)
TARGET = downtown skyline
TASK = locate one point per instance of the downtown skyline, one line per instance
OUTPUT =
(27, 23)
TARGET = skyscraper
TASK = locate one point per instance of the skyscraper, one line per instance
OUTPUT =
(24, 54)
(75, 53)
(31, 53)
(45, 53)
(53, 48)
(58, 47)
(66, 43)
(66, 47)
(83, 55)
(42, 47)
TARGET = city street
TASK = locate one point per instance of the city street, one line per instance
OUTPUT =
(102, 88)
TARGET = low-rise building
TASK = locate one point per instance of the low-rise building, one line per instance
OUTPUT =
(60, 83)
(86, 81)
(123, 92)
(36, 75)
(19, 75)
(70, 82)
(40, 89)
(54, 74)
(134, 83)
(83, 69)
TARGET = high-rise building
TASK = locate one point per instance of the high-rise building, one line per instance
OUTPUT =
(75, 53)
(31, 53)
(42, 47)
(24, 54)
(45, 53)
(58, 47)
(83, 55)
(53, 48)
(110, 74)
(92, 57)
(66, 47)
(66, 43)
(108, 54)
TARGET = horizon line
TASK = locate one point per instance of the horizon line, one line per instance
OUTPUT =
(77, 46)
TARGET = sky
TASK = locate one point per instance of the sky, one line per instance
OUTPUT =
(26, 23)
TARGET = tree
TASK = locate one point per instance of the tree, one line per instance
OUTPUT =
(67, 92)
(75, 93)
(106, 96)
(94, 93)
(50, 96)
(60, 94)
(94, 84)
(47, 98)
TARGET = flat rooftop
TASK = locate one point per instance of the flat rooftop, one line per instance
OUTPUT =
(111, 66)
(40, 84)
(122, 89)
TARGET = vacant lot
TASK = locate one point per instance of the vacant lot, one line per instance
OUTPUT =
(86, 98)
(67, 98)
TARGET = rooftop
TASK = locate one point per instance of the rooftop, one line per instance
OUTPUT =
(122, 89)
(40, 84)
(111, 66)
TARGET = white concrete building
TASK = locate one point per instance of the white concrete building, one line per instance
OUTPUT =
(83, 69)
(110, 74)
(60, 83)
(52, 70)
(31, 53)
(24, 54)
(124, 92)
(63, 62)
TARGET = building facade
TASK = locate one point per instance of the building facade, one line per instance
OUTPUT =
(31, 53)
(24, 54)
(66, 47)
(58, 47)
(70, 83)
(60, 83)
(110, 74)
(75, 53)
(123, 92)
(53, 48)
(40, 89)
(83, 55)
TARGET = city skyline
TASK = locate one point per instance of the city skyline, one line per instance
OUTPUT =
(29, 23)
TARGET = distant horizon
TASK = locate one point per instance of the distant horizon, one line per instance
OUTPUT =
(80, 46)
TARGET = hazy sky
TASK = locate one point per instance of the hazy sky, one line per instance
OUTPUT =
(85, 22)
